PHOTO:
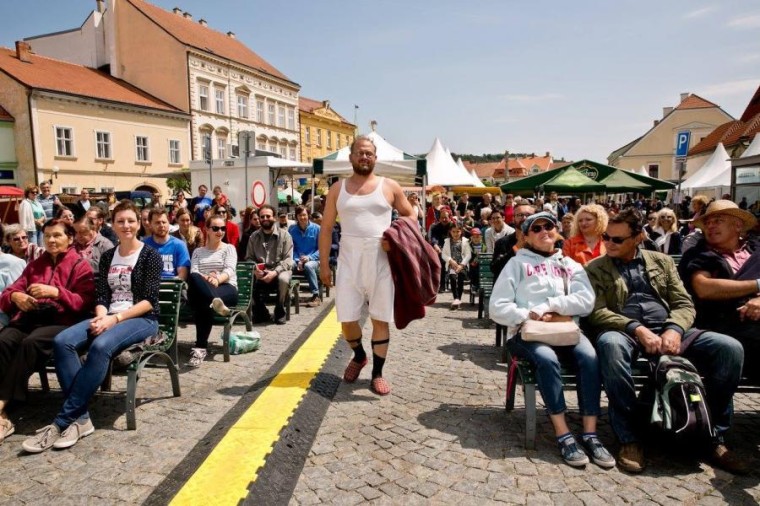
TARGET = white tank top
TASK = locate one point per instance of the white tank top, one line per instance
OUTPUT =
(366, 216)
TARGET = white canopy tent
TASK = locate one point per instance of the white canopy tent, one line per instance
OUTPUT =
(443, 170)
(391, 162)
(475, 179)
(753, 149)
(713, 176)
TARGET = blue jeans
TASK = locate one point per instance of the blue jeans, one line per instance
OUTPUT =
(310, 270)
(717, 357)
(80, 382)
(545, 358)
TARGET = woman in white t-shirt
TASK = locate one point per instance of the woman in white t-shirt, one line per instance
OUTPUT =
(126, 313)
(212, 284)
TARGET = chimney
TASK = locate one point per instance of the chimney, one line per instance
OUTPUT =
(188, 16)
(100, 6)
(326, 104)
(177, 11)
(667, 110)
(231, 35)
(548, 154)
(684, 96)
(656, 122)
(202, 22)
(24, 51)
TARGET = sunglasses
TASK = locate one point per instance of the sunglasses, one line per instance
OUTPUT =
(19, 239)
(536, 229)
(218, 229)
(615, 240)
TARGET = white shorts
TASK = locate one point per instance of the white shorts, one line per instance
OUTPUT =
(364, 274)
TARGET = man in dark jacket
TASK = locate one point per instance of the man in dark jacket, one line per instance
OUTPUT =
(722, 273)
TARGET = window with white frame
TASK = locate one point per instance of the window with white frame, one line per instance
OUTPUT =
(221, 147)
(174, 156)
(64, 140)
(270, 112)
(337, 141)
(69, 190)
(143, 153)
(206, 146)
(292, 153)
(284, 151)
(103, 145)
(329, 139)
(273, 146)
(203, 96)
(654, 170)
(242, 103)
(307, 139)
(281, 116)
(219, 96)
(260, 111)
(319, 137)
(291, 119)
(106, 189)
(262, 146)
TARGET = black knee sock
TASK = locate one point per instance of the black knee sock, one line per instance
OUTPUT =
(377, 361)
(359, 353)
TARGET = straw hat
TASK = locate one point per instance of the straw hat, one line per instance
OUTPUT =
(729, 208)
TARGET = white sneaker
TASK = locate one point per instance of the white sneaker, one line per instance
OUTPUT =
(455, 304)
(197, 356)
(218, 306)
(74, 433)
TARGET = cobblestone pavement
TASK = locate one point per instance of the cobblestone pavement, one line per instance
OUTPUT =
(117, 466)
(441, 437)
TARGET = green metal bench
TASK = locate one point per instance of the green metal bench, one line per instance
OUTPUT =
(143, 355)
(486, 281)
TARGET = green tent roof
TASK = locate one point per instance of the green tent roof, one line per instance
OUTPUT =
(623, 182)
(595, 171)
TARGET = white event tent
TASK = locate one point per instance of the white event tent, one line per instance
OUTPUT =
(390, 161)
(475, 179)
(713, 176)
(443, 170)
(753, 149)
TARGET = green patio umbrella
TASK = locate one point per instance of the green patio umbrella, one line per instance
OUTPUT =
(622, 182)
(560, 180)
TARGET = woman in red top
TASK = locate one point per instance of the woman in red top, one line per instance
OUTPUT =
(585, 241)
(232, 235)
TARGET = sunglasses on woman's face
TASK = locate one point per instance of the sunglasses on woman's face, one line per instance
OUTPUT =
(536, 229)
(615, 240)
(218, 229)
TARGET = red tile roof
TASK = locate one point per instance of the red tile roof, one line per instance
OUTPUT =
(5, 115)
(695, 102)
(753, 108)
(517, 166)
(54, 75)
(730, 134)
(194, 34)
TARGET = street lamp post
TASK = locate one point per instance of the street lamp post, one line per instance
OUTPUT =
(244, 137)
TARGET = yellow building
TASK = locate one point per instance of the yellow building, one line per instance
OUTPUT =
(82, 128)
(322, 129)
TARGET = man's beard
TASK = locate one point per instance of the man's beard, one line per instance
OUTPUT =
(363, 171)
(267, 225)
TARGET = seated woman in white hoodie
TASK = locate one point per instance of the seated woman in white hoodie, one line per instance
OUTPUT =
(539, 283)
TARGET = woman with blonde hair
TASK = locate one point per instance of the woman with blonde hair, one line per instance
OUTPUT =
(667, 240)
(585, 241)
(188, 232)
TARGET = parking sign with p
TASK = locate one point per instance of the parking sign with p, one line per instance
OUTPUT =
(682, 144)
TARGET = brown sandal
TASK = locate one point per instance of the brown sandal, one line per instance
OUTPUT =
(380, 386)
(353, 369)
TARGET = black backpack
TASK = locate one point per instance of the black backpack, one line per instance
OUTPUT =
(680, 405)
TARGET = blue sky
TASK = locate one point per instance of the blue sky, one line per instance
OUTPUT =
(579, 79)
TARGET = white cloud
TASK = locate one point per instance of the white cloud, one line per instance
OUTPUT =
(747, 58)
(745, 22)
(698, 13)
(542, 97)
(729, 88)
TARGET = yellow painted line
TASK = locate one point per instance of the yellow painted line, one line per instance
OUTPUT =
(224, 477)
